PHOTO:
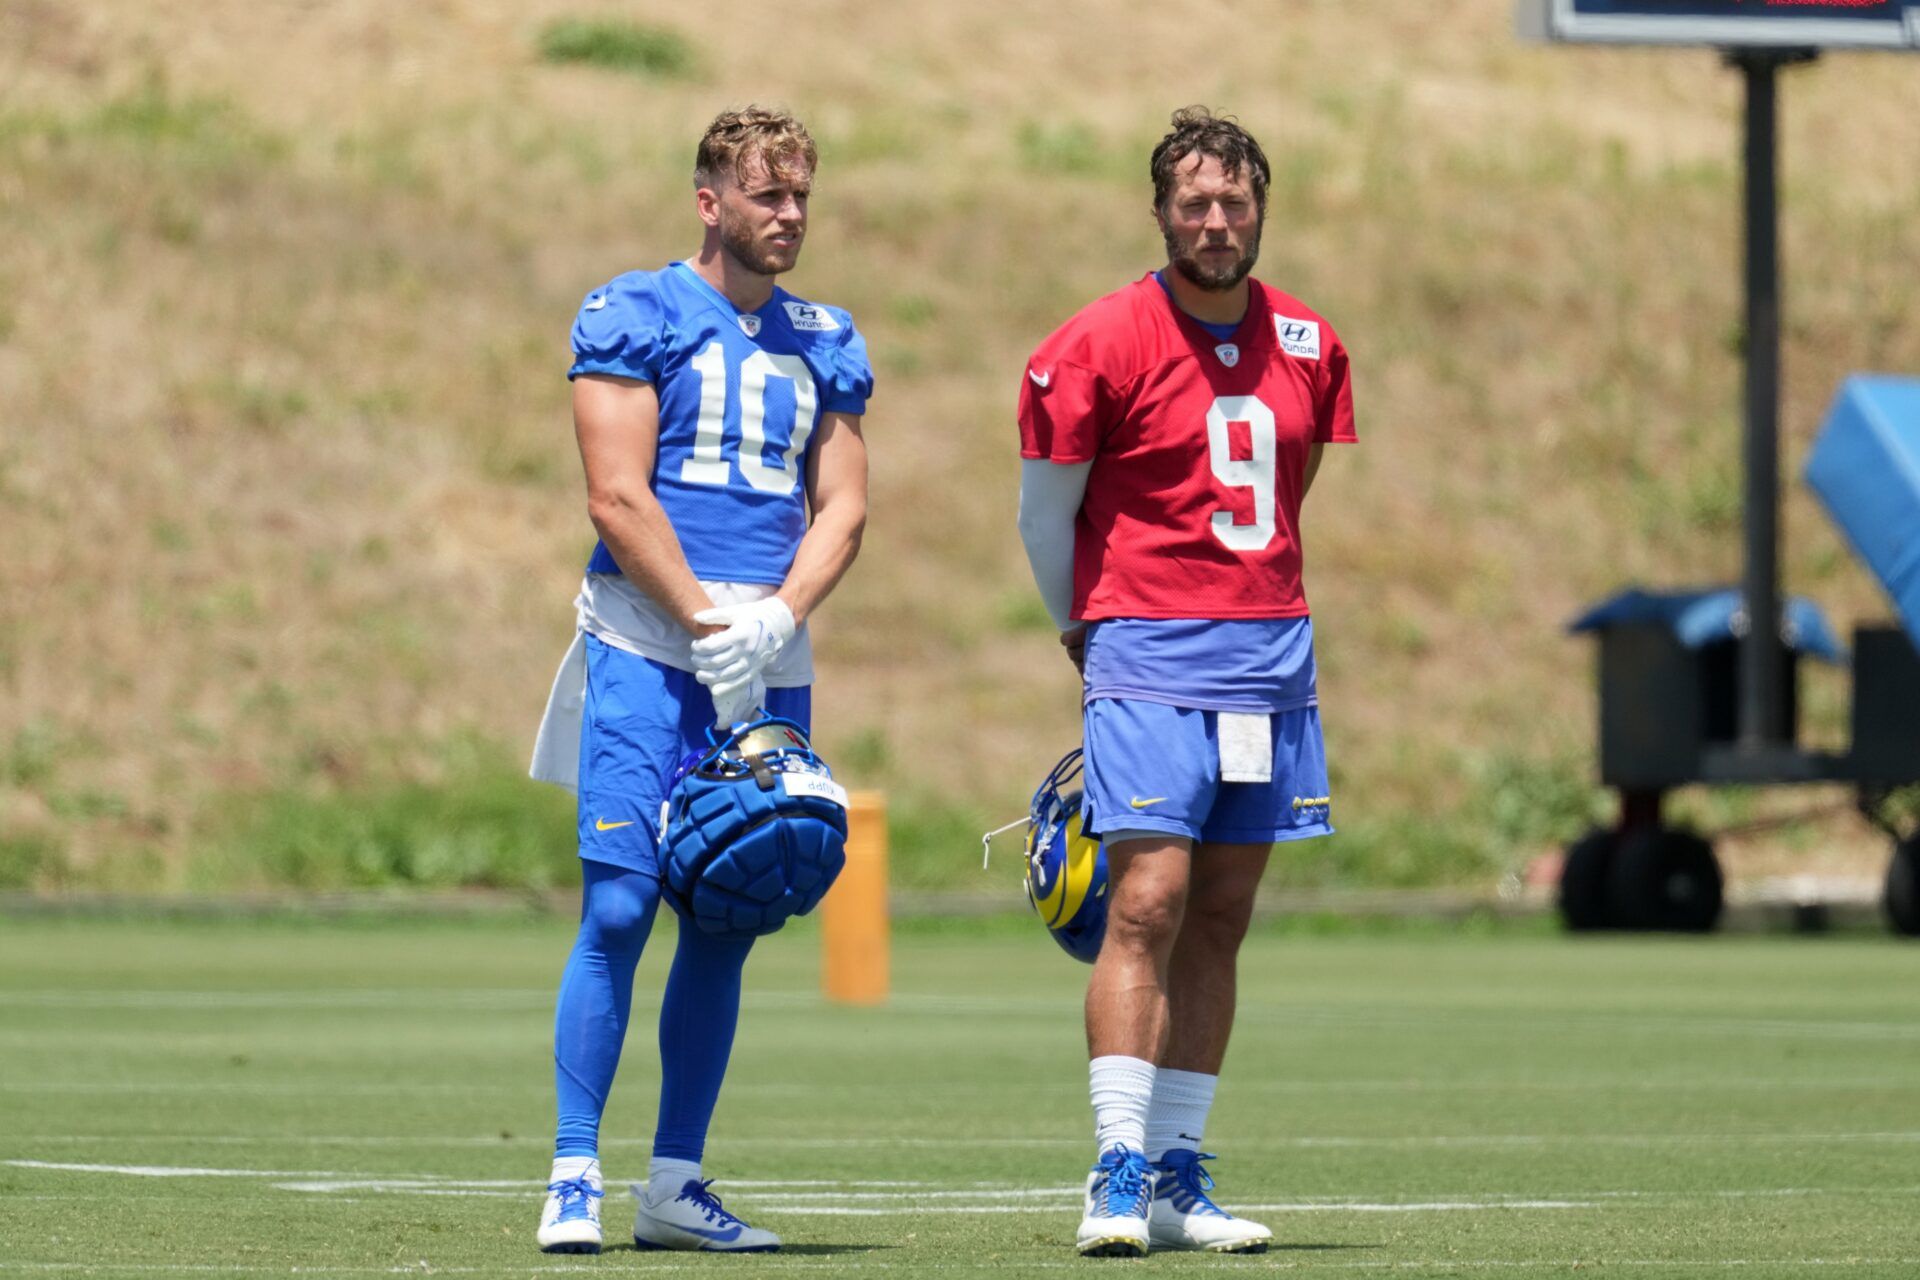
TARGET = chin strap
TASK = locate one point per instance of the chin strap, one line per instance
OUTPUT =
(986, 841)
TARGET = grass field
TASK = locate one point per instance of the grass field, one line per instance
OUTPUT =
(373, 1098)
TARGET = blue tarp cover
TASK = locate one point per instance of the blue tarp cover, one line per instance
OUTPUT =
(1703, 616)
(1865, 469)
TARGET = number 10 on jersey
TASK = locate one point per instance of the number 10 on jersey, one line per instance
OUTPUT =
(709, 465)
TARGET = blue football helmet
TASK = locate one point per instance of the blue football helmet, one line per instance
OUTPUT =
(755, 830)
(1066, 868)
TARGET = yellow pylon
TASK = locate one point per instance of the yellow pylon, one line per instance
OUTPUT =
(853, 915)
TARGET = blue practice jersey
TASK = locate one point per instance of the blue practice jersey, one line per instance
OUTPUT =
(1240, 664)
(740, 396)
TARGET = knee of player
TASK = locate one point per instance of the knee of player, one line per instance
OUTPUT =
(1147, 919)
(619, 913)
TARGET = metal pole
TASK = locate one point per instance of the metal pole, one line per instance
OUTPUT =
(1762, 715)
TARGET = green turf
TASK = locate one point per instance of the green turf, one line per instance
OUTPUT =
(1720, 1107)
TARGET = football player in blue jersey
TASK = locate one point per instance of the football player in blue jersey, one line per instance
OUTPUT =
(718, 419)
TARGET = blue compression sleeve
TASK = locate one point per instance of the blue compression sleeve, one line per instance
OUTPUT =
(697, 1021)
(596, 998)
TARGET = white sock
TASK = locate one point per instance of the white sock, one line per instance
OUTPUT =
(567, 1168)
(1178, 1117)
(665, 1177)
(1122, 1091)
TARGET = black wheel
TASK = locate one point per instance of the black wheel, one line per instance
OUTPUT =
(1583, 882)
(1667, 880)
(1903, 888)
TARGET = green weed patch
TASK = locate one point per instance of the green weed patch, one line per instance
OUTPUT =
(618, 46)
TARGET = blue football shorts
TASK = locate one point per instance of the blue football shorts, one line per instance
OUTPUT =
(641, 719)
(1151, 767)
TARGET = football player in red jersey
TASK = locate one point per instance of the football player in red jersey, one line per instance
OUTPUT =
(1170, 431)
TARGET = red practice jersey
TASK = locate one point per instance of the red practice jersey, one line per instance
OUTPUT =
(1199, 450)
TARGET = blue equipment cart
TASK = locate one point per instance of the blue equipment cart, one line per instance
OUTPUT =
(1699, 686)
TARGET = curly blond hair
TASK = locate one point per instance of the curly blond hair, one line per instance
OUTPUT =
(773, 137)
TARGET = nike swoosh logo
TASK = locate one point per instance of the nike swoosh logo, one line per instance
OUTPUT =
(604, 825)
(597, 304)
(1041, 379)
(718, 1236)
(1138, 803)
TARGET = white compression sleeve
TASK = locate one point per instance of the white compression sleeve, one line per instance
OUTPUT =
(1050, 496)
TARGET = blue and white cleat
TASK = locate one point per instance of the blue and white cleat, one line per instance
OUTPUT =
(570, 1220)
(1119, 1190)
(694, 1219)
(1183, 1217)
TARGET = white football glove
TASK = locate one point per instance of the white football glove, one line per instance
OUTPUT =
(736, 702)
(730, 662)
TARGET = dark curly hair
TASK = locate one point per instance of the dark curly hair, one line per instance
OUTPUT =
(1198, 129)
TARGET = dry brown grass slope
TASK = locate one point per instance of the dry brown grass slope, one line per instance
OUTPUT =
(287, 489)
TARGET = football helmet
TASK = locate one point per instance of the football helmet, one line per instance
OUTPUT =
(754, 830)
(1066, 868)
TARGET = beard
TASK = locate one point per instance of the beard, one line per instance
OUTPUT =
(1212, 279)
(763, 259)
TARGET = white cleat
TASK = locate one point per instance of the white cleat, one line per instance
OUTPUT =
(694, 1219)
(570, 1220)
(1184, 1218)
(1118, 1191)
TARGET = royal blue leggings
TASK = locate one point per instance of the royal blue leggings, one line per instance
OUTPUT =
(698, 1015)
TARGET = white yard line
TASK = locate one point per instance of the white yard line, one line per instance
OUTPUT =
(526, 1187)
(1074, 1206)
(999, 1192)
(857, 1198)
(328, 1179)
(164, 1171)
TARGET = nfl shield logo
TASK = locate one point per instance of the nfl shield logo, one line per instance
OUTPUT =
(750, 325)
(1228, 353)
